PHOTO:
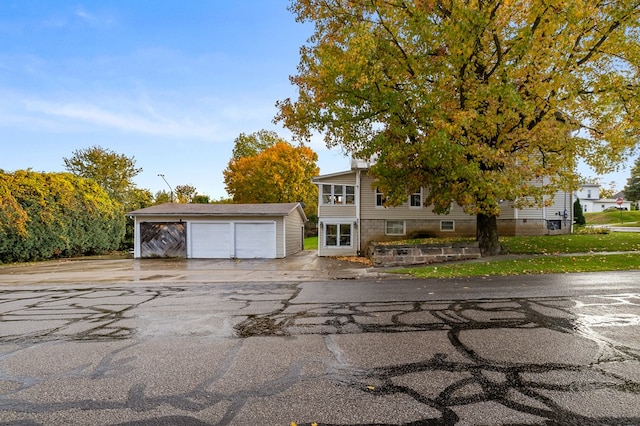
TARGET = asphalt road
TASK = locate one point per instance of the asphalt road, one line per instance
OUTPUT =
(554, 350)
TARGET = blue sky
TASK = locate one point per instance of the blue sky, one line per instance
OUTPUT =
(170, 83)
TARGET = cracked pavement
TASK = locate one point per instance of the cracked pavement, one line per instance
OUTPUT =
(531, 350)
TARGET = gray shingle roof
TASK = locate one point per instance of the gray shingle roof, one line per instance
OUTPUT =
(172, 209)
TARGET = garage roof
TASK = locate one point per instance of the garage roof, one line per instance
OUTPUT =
(266, 209)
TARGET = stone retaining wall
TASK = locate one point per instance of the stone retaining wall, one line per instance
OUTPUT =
(416, 254)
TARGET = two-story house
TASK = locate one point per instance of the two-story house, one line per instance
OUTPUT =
(589, 196)
(351, 215)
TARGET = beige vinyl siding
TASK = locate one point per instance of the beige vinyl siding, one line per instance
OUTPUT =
(338, 179)
(351, 250)
(507, 211)
(531, 213)
(294, 233)
(336, 210)
(369, 210)
(561, 202)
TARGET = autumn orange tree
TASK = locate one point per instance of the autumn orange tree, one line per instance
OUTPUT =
(481, 102)
(277, 173)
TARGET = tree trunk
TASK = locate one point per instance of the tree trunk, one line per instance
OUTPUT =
(487, 235)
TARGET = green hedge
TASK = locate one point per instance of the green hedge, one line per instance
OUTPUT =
(48, 215)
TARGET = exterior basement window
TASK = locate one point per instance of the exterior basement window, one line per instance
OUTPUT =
(394, 227)
(447, 225)
(554, 225)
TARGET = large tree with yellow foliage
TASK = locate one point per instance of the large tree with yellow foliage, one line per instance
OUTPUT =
(276, 173)
(482, 102)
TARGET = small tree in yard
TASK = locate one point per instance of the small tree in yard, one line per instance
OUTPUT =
(578, 214)
(185, 193)
(632, 189)
(112, 171)
(479, 102)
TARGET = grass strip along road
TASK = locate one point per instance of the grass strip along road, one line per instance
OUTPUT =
(545, 255)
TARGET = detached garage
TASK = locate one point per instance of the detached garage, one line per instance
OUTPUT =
(219, 231)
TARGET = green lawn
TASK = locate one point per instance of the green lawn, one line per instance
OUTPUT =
(574, 243)
(539, 255)
(624, 217)
(545, 255)
(529, 265)
(311, 243)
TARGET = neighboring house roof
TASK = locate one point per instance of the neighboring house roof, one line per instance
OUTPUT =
(196, 209)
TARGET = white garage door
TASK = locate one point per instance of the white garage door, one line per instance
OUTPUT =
(210, 240)
(255, 240)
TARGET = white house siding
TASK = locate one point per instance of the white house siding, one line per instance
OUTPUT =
(596, 206)
(588, 191)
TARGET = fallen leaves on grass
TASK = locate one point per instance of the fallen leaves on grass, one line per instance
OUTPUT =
(355, 259)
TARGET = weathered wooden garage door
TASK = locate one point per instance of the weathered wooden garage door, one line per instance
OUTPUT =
(255, 240)
(163, 239)
(210, 240)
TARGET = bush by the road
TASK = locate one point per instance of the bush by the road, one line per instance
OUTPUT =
(47, 215)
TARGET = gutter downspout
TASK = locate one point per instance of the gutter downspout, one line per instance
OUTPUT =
(358, 212)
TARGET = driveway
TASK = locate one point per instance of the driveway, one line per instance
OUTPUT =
(305, 266)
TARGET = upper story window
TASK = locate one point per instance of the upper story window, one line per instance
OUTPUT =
(380, 198)
(415, 199)
(338, 194)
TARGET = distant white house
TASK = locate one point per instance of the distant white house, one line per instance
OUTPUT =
(589, 196)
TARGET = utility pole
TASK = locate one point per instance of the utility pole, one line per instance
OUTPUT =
(170, 189)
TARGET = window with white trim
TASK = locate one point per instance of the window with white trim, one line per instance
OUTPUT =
(380, 198)
(338, 194)
(447, 225)
(338, 234)
(394, 227)
(349, 194)
(415, 199)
